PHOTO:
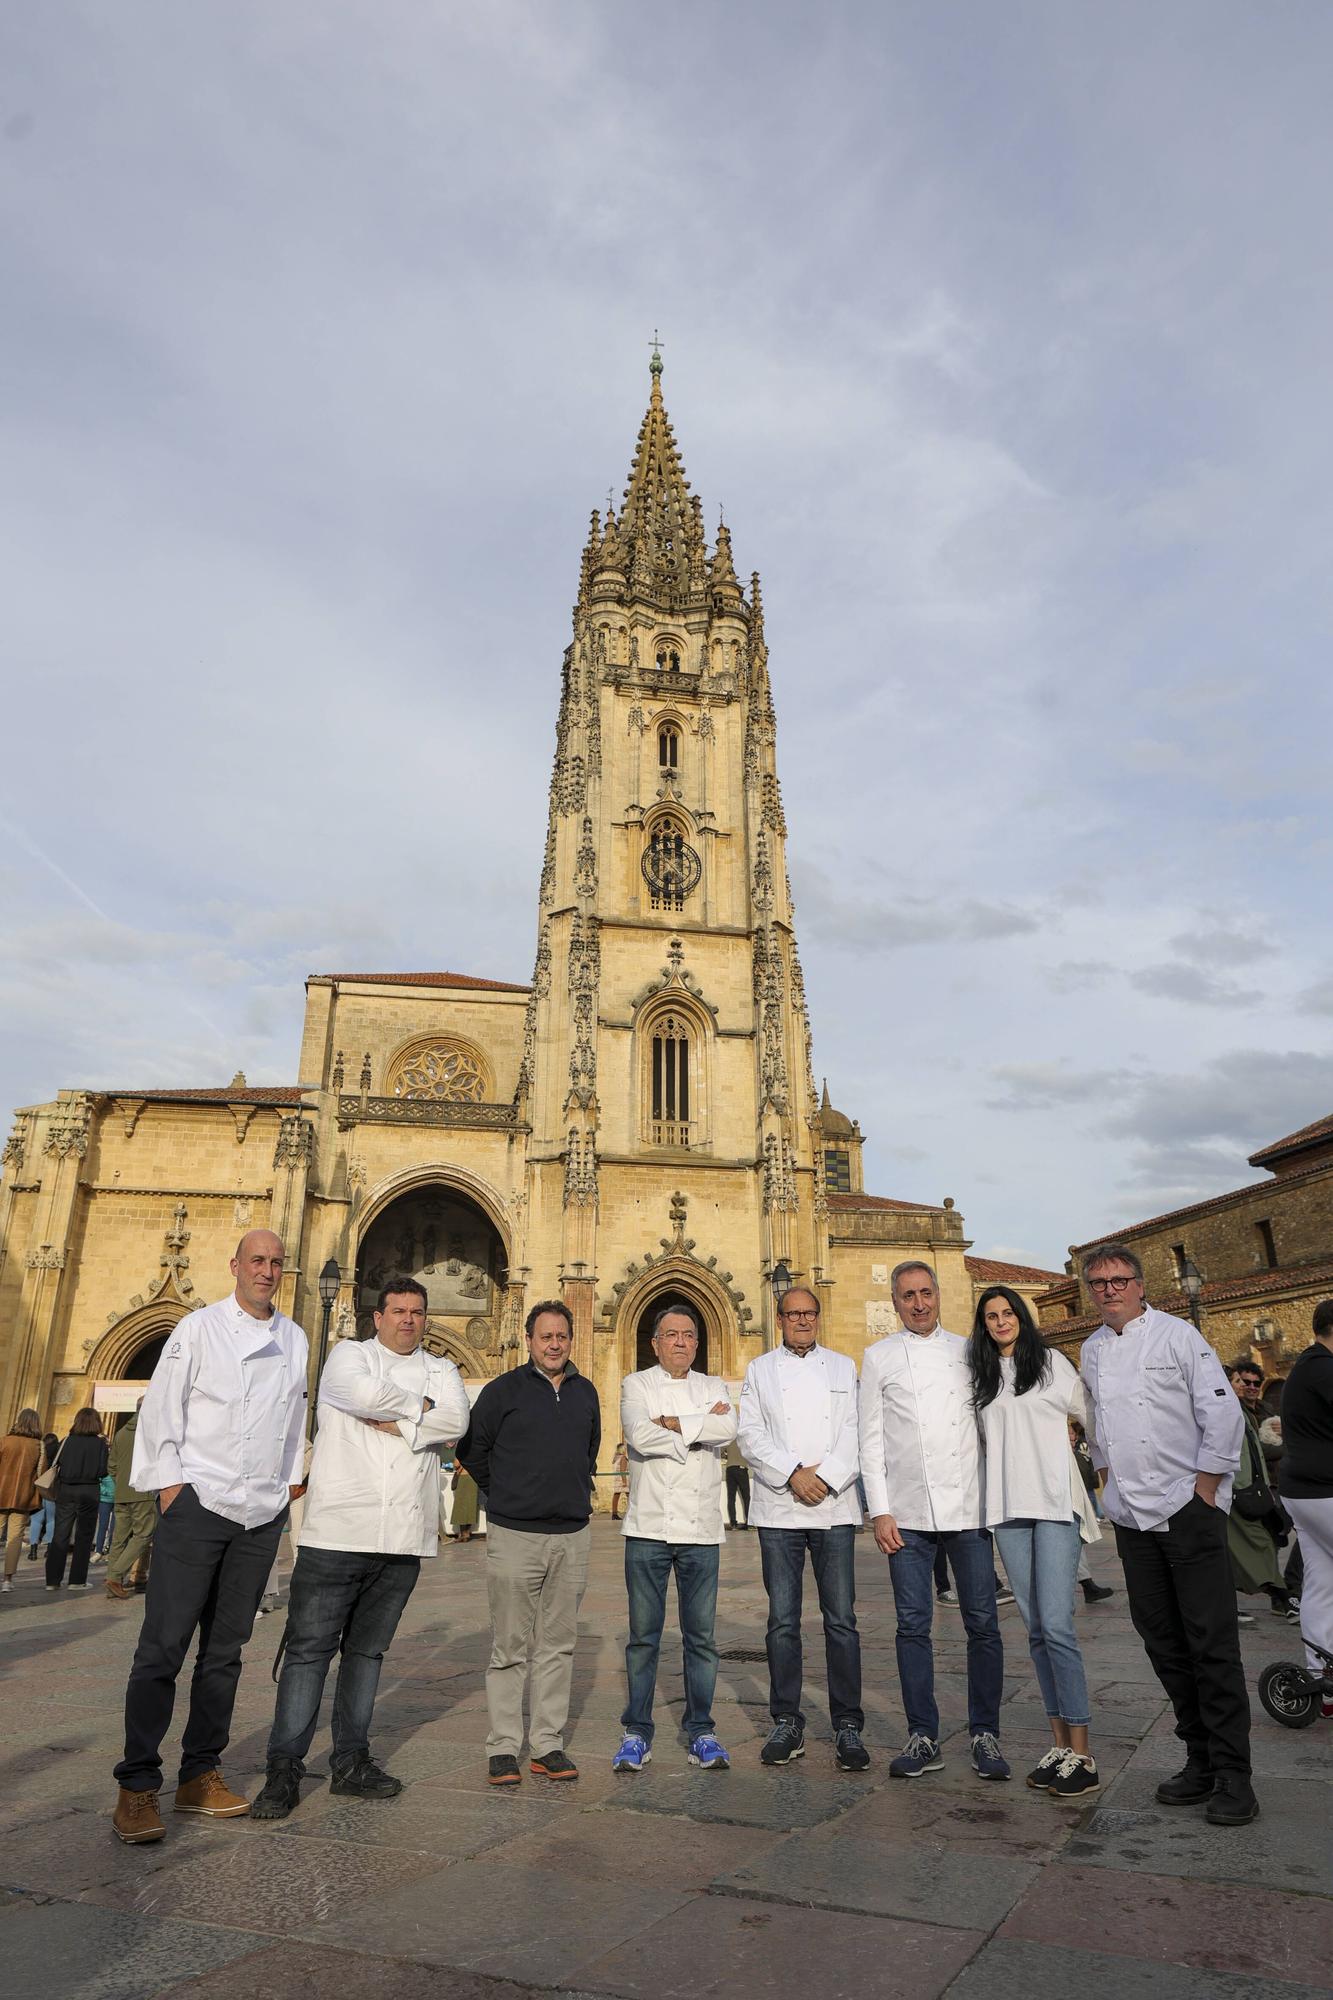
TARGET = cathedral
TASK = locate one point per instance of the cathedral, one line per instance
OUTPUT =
(639, 1125)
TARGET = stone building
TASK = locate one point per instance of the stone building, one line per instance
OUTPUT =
(638, 1124)
(1264, 1253)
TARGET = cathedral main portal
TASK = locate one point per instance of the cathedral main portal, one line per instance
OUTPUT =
(437, 1236)
(661, 1303)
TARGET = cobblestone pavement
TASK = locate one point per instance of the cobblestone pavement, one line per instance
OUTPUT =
(674, 1882)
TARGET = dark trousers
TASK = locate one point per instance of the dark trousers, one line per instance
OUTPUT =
(340, 1602)
(648, 1567)
(1183, 1604)
(738, 1488)
(76, 1520)
(831, 1550)
(208, 1574)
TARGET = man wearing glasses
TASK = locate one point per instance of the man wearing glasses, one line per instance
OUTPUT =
(1168, 1434)
(798, 1431)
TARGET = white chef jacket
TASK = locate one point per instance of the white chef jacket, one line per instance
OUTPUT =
(371, 1492)
(776, 1386)
(225, 1413)
(920, 1448)
(1162, 1411)
(1031, 1473)
(675, 1483)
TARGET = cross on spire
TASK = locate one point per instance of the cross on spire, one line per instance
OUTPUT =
(655, 365)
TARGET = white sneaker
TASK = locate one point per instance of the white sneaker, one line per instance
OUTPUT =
(6, 1585)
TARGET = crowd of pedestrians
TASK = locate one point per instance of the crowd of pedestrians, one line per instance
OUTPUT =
(955, 1447)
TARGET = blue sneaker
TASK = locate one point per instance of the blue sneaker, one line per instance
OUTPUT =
(986, 1759)
(632, 1755)
(919, 1754)
(708, 1754)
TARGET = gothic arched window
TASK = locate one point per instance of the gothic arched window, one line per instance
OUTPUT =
(667, 657)
(671, 867)
(668, 746)
(670, 1103)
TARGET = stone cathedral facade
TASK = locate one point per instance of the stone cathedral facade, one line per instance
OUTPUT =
(638, 1125)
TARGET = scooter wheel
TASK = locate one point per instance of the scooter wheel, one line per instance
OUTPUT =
(1286, 1693)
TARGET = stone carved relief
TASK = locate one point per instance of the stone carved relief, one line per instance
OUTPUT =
(16, 1145)
(581, 1170)
(296, 1144)
(45, 1259)
(443, 1069)
(365, 1074)
(779, 1174)
(69, 1131)
(680, 1248)
(585, 960)
(585, 873)
(336, 1081)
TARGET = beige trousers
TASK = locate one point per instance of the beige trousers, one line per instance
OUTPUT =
(535, 1585)
(15, 1528)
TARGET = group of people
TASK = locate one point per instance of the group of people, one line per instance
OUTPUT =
(953, 1441)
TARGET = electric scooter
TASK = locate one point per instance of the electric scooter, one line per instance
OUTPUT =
(1295, 1695)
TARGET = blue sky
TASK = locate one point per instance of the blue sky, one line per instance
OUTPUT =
(1002, 333)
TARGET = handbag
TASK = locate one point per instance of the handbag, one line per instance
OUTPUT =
(45, 1481)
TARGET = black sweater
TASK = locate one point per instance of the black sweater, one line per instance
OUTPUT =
(1306, 1471)
(532, 1452)
(82, 1460)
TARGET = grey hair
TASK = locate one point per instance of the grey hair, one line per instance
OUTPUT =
(1111, 1253)
(912, 1264)
(665, 1312)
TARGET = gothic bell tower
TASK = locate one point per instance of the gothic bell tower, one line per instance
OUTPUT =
(666, 1080)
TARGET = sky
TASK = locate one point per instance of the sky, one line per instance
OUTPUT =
(1002, 334)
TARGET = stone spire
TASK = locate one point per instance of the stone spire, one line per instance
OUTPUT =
(659, 522)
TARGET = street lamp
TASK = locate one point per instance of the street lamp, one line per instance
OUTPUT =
(330, 1284)
(1191, 1277)
(781, 1282)
(1263, 1332)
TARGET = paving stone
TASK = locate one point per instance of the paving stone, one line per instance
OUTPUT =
(1008, 1969)
(780, 1799)
(443, 1824)
(72, 1952)
(768, 1949)
(1285, 1848)
(263, 1880)
(1215, 1926)
(637, 1847)
(833, 1869)
(514, 1923)
(307, 1972)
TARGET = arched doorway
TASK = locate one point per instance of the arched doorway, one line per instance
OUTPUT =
(446, 1241)
(670, 1296)
(145, 1359)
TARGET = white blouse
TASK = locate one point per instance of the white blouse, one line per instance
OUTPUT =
(1030, 1470)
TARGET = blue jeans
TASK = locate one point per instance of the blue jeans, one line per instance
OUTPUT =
(43, 1528)
(832, 1553)
(648, 1567)
(912, 1574)
(1041, 1561)
(339, 1602)
(106, 1510)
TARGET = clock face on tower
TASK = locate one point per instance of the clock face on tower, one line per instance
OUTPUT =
(671, 867)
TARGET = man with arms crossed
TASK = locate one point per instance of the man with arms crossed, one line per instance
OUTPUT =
(386, 1408)
(677, 1424)
(219, 1441)
(798, 1431)
(532, 1449)
(921, 1466)
(1167, 1432)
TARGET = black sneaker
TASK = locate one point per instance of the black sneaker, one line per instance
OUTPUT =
(850, 1753)
(1094, 1592)
(1189, 1787)
(282, 1789)
(787, 1740)
(1077, 1774)
(554, 1764)
(1042, 1775)
(1233, 1802)
(360, 1777)
(503, 1771)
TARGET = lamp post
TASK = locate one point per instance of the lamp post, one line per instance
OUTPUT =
(330, 1284)
(1191, 1277)
(781, 1282)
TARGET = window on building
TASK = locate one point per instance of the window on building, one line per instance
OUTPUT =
(668, 659)
(671, 867)
(670, 1102)
(837, 1170)
(668, 747)
(1178, 1260)
(1267, 1245)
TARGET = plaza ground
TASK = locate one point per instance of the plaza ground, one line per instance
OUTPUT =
(674, 1883)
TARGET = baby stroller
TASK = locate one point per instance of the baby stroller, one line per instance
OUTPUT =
(1295, 1696)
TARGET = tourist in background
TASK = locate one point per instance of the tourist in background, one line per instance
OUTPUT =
(1306, 1480)
(1255, 1520)
(43, 1525)
(81, 1468)
(106, 1514)
(136, 1513)
(737, 1475)
(20, 1456)
(1039, 1511)
(467, 1501)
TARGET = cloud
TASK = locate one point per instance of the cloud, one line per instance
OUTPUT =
(1194, 985)
(1049, 1086)
(1317, 999)
(875, 924)
(1227, 941)
(1077, 975)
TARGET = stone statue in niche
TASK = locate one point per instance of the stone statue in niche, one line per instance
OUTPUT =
(443, 1243)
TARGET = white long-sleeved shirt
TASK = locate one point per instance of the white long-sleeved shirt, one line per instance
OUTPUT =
(920, 1448)
(371, 1491)
(225, 1413)
(675, 1483)
(800, 1410)
(1031, 1473)
(1162, 1411)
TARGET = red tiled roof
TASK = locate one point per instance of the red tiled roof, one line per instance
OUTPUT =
(1295, 1142)
(258, 1093)
(992, 1272)
(853, 1201)
(464, 979)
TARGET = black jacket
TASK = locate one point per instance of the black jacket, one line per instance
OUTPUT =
(532, 1452)
(1306, 1471)
(82, 1461)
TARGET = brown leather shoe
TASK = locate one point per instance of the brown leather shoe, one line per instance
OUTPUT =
(137, 1818)
(209, 1796)
(115, 1588)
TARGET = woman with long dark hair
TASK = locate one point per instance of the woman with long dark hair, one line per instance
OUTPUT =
(82, 1459)
(1039, 1512)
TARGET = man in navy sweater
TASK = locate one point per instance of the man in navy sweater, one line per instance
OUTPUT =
(532, 1449)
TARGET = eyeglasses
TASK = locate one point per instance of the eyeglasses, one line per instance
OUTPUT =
(799, 1312)
(1111, 1284)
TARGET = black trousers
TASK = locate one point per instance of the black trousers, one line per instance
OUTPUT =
(208, 1575)
(1183, 1604)
(738, 1487)
(76, 1521)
